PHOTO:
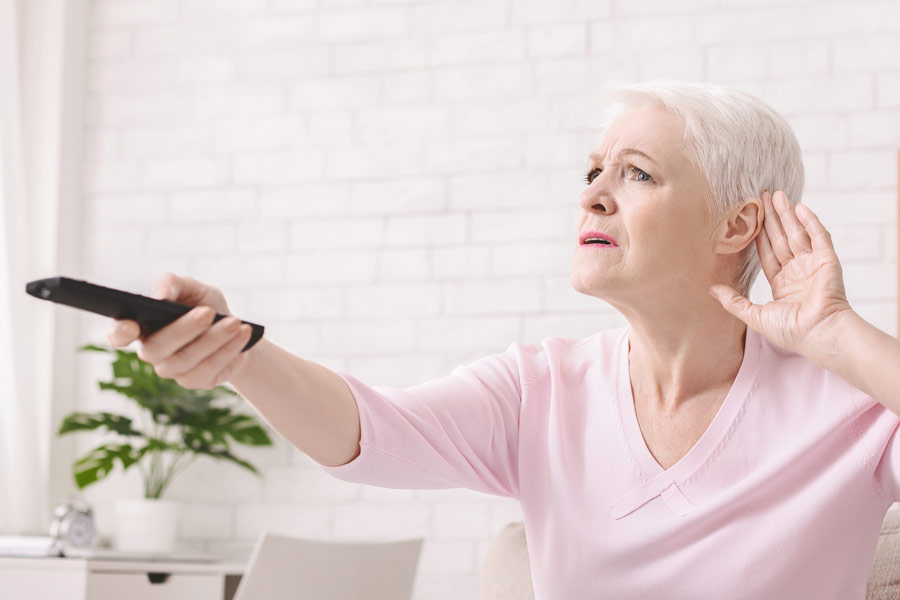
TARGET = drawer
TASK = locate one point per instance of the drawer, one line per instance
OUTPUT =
(144, 586)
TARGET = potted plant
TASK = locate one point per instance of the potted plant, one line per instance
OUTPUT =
(180, 425)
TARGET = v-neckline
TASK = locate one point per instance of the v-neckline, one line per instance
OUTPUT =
(715, 431)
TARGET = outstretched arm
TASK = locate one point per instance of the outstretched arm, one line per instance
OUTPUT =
(305, 402)
(308, 404)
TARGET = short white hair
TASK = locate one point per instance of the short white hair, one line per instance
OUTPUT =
(739, 142)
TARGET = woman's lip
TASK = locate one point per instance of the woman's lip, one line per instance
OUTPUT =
(596, 234)
(597, 246)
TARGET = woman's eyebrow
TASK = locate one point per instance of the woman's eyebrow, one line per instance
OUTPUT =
(596, 157)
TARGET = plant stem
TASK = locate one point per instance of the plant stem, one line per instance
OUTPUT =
(175, 467)
(157, 463)
(148, 472)
(144, 477)
(154, 460)
(165, 474)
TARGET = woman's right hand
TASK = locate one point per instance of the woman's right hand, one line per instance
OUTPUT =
(192, 350)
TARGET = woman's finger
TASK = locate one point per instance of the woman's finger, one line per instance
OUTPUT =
(797, 237)
(767, 259)
(122, 332)
(185, 290)
(776, 233)
(233, 367)
(188, 357)
(204, 375)
(820, 237)
(177, 334)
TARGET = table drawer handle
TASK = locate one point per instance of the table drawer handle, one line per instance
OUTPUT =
(158, 577)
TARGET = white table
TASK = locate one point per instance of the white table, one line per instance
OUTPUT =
(54, 578)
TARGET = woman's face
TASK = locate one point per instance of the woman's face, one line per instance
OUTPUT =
(647, 196)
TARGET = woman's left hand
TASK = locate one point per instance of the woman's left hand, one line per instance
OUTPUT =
(808, 297)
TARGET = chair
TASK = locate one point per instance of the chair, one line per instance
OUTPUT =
(507, 570)
(286, 568)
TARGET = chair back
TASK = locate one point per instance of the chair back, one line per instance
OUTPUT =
(288, 568)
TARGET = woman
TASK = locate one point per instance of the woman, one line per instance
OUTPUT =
(712, 448)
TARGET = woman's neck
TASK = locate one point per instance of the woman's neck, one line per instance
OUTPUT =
(672, 360)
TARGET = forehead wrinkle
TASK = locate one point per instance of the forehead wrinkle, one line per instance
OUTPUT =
(596, 156)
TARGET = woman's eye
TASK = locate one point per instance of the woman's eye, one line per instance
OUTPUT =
(640, 175)
(590, 175)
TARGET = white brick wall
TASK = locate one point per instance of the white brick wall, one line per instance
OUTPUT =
(355, 174)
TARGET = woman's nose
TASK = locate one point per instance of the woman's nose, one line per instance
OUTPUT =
(597, 197)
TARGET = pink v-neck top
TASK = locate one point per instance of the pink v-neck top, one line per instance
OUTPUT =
(782, 497)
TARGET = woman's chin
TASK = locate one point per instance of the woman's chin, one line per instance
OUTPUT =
(598, 285)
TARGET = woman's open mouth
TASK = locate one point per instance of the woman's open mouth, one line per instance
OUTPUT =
(596, 239)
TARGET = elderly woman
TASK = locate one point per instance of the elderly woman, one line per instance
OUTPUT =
(712, 448)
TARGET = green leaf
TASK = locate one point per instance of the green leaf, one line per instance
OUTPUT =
(232, 458)
(202, 442)
(100, 461)
(241, 462)
(158, 445)
(94, 348)
(248, 432)
(87, 422)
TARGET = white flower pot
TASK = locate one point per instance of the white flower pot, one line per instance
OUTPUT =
(146, 525)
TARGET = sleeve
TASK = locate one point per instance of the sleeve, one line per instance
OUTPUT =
(882, 443)
(461, 430)
(887, 472)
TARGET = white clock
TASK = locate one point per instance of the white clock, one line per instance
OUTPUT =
(73, 525)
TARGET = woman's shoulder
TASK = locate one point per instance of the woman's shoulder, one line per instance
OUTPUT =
(560, 357)
(594, 347)
(603, 338)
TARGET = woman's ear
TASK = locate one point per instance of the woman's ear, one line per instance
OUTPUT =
(741, 227)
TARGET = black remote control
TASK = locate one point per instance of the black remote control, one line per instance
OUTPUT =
(150, 313)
